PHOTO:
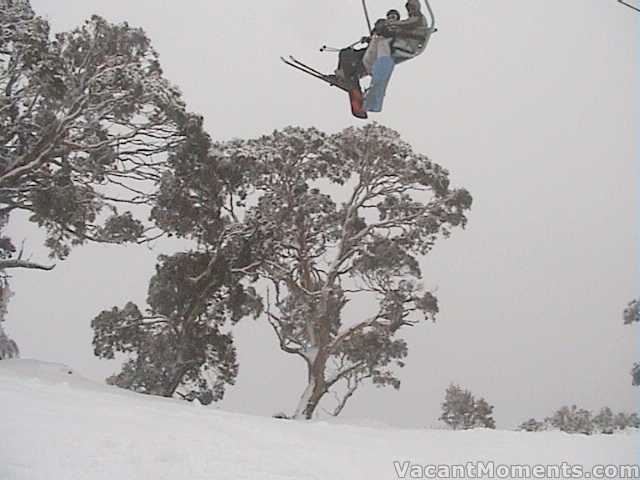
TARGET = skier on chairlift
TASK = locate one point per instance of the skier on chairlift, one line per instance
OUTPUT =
(392, 41)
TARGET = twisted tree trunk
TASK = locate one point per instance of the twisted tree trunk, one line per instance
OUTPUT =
(316, 387)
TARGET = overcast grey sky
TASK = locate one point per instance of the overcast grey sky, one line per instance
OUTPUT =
(532, 106)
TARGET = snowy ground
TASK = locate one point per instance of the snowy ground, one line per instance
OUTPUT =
(55, 425)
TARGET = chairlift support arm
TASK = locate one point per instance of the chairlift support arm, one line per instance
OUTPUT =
(366, 16)
(433, 17)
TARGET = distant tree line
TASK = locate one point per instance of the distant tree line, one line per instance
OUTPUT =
(462, 411)
(579, 420)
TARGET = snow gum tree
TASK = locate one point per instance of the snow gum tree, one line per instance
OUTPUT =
(532, 425)
(632, 315)
(86, 118)
(316, 221)
(181, 344)
(457, 408)
(461, 410)
(604, 421)
(632, 312)
(572, 420)
(338, 219)
(483, 414)
(8, 348)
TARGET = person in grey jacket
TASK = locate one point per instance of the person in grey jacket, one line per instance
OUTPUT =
(409, 34)
(393, 41)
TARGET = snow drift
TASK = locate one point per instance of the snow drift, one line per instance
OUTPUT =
(56, 425)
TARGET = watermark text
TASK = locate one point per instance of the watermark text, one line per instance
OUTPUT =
(488, 469)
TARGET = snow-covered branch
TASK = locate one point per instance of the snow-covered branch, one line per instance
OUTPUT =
(7, 264)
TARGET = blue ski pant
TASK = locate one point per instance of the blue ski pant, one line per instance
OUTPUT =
(380, 76)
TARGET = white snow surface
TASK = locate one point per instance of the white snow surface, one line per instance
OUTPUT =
(56, 425)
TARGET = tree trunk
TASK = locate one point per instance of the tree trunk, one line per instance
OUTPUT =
(316, 364)
(315, 390)
(170, 388)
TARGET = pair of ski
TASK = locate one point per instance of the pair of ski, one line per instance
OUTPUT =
(356, 99)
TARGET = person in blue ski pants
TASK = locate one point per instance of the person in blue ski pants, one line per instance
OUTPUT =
(394, 41)
(380, 76)
(378, 62)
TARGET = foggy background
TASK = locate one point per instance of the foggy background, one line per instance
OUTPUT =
(532, 106)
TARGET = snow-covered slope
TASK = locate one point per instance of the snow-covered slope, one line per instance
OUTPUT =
(55, 425)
